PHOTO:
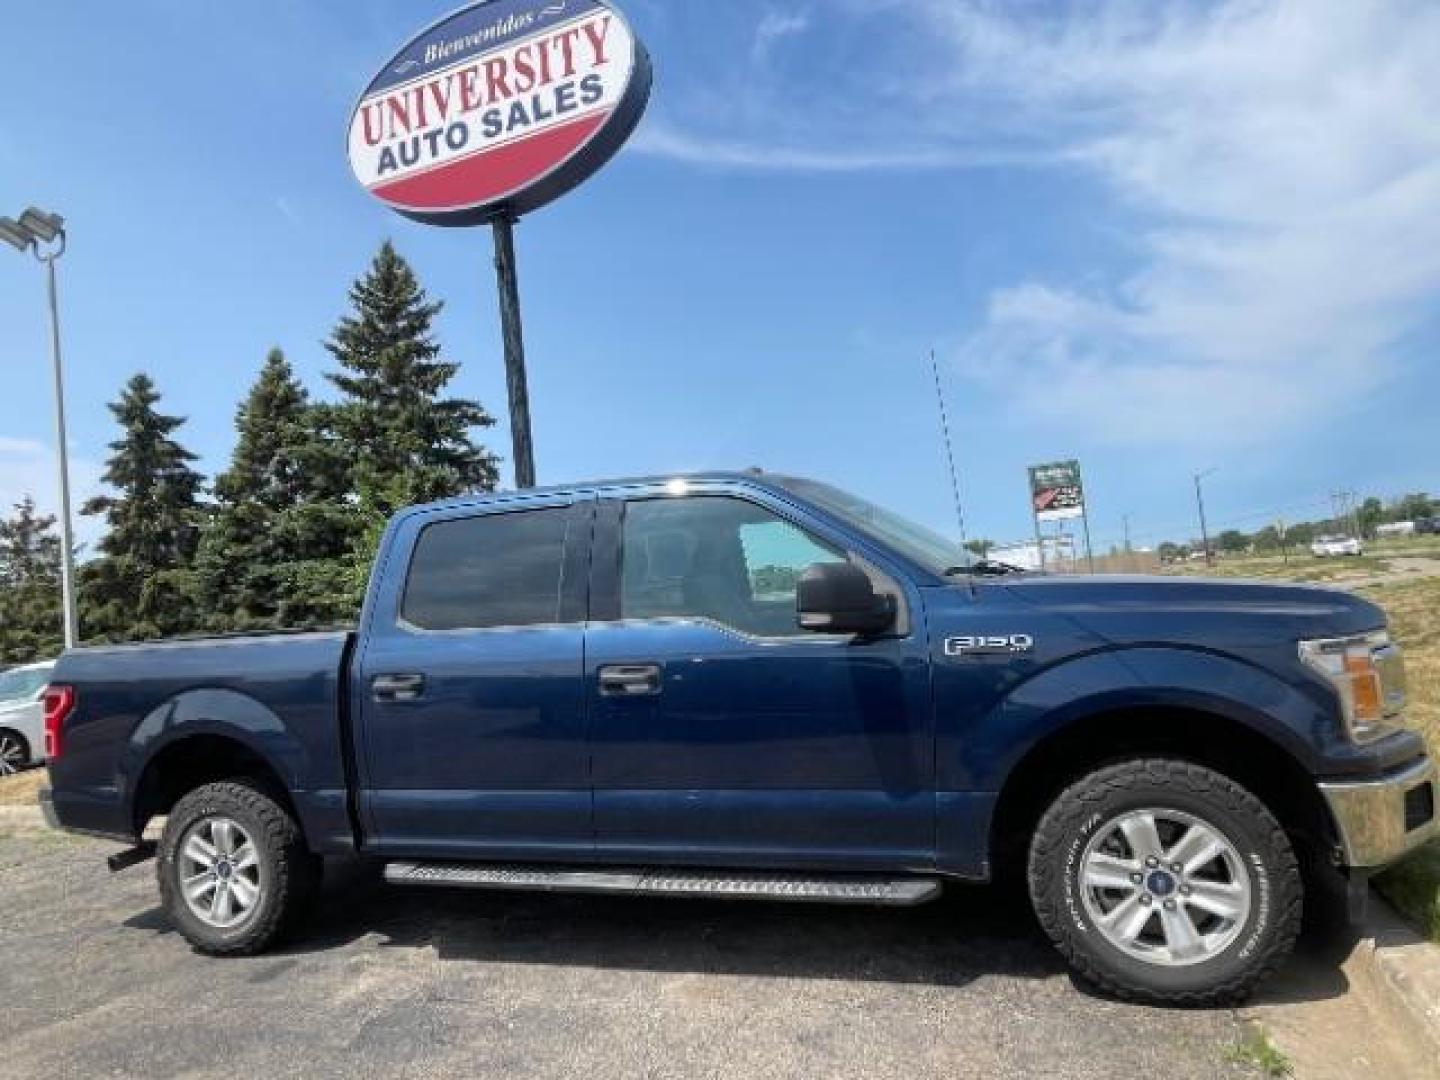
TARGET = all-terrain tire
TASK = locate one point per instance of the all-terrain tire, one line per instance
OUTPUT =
(1264, 937)
(288, 874)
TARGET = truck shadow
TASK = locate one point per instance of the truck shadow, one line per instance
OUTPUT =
(969, 933)
(950, 942)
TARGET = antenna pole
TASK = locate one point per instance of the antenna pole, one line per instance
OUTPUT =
(949, 449)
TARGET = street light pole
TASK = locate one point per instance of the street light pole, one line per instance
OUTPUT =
(1200, 503)
(67, 544)
(34, 228)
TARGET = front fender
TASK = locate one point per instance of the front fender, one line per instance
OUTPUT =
(979, 754)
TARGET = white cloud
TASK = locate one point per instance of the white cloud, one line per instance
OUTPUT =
(775, 25)
(1276, 168)
(658, 139)
(29, 468)
(1285, 162)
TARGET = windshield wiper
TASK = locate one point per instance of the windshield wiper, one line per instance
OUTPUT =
(985, 568)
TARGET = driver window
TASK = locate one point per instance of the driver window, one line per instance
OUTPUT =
(715, 557)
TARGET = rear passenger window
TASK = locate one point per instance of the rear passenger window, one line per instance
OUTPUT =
(487, 571)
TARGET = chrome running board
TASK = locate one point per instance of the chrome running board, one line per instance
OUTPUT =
(836, 889)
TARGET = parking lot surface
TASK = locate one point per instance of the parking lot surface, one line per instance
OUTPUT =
(418, 983)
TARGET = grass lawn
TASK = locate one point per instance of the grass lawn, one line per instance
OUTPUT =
(1414, 609)
(21, 789)
(1301, 567)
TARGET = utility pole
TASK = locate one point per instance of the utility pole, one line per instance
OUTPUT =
(1128, 549)
(1200, 504)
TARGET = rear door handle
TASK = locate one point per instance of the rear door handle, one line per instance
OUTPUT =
(397, 687)
(630, 680)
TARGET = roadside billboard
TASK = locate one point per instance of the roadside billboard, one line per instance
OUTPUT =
(1056, 491)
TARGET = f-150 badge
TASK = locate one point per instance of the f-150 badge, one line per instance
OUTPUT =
(989, 645)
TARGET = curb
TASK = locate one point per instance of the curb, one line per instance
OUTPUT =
(1403, 966)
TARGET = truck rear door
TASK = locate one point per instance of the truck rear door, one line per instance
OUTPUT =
(471, 718)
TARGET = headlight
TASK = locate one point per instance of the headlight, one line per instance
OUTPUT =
(1368, 672)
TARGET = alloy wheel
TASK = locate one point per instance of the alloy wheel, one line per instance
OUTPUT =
(219, 872)
(1165, 887)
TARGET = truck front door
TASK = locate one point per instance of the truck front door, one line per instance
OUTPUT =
(471, 730)
(720, 732)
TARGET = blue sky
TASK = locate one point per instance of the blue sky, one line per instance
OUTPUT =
(1157, 240)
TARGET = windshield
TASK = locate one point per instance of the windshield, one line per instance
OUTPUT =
(929, 549)
(23, 684)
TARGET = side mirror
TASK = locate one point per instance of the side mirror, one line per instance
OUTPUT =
(839, 598)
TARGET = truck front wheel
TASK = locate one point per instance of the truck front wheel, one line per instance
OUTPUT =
(1165, 882)
(234, 870)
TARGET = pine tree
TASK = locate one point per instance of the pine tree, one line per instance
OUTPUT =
(30, 619)
(142, 585)
(408, 443)
(276, 551)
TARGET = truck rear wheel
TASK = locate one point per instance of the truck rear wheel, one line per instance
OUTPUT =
(1165, 882)
(233, 867)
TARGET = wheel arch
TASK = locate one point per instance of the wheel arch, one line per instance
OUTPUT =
(202, 736)
(1206, 737)
(189, 762)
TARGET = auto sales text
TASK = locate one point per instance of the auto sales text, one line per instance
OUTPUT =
(507, 94)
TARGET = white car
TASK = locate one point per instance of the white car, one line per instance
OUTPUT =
(1332, 547)
(22, 716)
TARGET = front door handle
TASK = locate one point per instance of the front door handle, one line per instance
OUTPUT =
(630, 680)
(397, 687)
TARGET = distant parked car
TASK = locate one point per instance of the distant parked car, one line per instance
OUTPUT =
(1428, 526)
(1331, 547)
(1393, 529)
(22, 716)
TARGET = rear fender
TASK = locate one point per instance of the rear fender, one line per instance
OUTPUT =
(225, 714)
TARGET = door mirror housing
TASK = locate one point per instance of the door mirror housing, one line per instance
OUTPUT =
(840, 598)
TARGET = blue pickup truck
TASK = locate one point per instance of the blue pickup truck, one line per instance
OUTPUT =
(756, 685)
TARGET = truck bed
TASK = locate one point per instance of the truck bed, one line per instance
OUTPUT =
(280, 694)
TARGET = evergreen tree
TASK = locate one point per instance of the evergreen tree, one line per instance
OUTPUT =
(30, 618)
(276, 551)
(142, 585)
(408, 444)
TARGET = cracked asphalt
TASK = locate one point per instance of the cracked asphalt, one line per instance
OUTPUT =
(402, 983)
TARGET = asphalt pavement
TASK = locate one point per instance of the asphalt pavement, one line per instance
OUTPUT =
(411, 982)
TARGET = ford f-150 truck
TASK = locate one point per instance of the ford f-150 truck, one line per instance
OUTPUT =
(755, 685)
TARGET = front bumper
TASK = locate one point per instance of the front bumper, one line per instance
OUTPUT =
(1380, 820)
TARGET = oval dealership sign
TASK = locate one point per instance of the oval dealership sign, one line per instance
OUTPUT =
(499, 108)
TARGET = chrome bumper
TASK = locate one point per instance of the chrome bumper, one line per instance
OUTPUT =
(1371, 814)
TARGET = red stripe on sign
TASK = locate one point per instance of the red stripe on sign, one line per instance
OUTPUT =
(483, 177)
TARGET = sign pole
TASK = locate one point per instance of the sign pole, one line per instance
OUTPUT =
(513, 332)
(1039, 537)
(565, 86)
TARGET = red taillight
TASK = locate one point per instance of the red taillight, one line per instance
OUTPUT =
(59, 701)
